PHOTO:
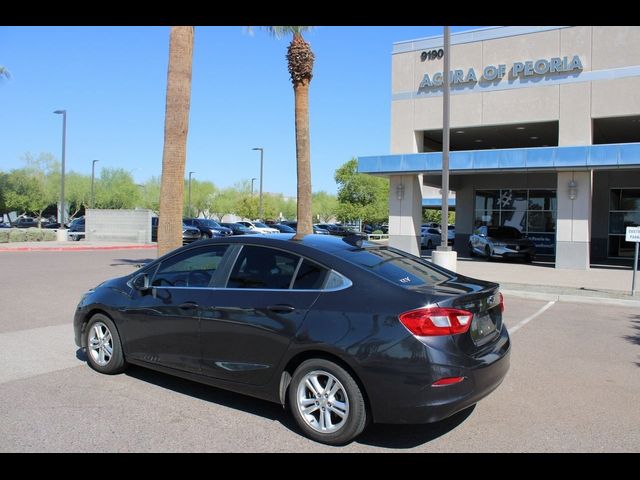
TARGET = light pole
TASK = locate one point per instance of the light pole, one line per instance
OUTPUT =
(93, 177)
(190, 173)
(261, 164)
(64, 146)
(445, 141)
(252, 180)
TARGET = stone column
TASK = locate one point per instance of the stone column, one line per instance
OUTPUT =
(573, 225)
(405, 212)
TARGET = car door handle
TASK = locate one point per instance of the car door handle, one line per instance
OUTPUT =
(280, 308)
(188, 306)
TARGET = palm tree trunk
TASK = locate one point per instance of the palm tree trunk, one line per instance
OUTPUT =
(303, 155)
(176, 127)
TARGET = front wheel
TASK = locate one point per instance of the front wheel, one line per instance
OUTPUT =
(326, 402)
(104, 349)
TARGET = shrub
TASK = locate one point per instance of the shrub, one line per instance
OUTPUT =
(34, 235)
(49, 235)
(17, 235)
(4, 235)
(377, 232)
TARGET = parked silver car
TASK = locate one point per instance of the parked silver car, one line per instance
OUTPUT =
(501, 242)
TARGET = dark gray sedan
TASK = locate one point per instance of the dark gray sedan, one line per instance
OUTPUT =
(342, 331)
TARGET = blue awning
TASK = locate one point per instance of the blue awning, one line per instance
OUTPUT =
(610, 156)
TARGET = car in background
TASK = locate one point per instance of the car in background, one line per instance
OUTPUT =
(338, 230)
(259, 227)
(316, 229)
(430, 237)
(501, 242)
(340, 330)
(282, 228)
(239, 229)
(26, 222)
(451, 234)
(189, 234)
(208, 228)
(76, 229)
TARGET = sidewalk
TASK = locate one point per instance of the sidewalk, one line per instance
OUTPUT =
(541, 280)
(82, 245)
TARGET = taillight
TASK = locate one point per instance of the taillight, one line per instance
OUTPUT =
(501, 302)
(430, 321)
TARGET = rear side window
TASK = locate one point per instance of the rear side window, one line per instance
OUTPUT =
(402, 270)
(310, 276)
(265, 268)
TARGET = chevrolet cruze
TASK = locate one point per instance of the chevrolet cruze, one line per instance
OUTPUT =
(342, 331)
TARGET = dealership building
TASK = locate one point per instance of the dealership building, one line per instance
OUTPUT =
(545, 137)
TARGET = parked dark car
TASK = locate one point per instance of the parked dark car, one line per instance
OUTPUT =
(208, 228)
(239, 229)
(341, 330)
(25, 222)
(189, 234)
(76, 229)
(501, 242)
(282, 228)
(333, 229)
(316, 229)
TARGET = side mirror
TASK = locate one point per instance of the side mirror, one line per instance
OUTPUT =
(141, 282)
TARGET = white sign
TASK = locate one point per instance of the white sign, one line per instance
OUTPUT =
(633, 234)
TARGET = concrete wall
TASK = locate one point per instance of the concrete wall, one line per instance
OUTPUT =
(118, 225)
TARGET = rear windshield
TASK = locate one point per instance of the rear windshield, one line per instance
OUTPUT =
(402, 270)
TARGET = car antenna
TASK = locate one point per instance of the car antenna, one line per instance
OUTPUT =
(355, 239)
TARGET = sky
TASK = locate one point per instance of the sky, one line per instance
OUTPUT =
(112, 83)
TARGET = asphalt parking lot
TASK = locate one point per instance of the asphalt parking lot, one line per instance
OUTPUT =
(573, 386)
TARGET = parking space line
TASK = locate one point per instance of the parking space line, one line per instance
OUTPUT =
(521, 324)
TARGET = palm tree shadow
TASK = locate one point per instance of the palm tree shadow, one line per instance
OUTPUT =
(409, 436)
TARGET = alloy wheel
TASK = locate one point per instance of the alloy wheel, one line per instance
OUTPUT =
(322, 402)
(100, 344)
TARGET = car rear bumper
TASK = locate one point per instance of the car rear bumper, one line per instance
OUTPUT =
(411, 398)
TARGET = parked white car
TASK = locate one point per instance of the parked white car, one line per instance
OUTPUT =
(430, 237)
(259, 227)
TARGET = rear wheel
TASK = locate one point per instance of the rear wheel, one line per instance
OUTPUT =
(472, 252)
(487, 252)
(326, 402)
(429, 244)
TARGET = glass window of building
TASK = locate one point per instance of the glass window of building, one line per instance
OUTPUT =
(624, 211)
(532, 212)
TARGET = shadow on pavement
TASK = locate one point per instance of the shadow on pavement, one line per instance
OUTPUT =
(389, 436)
(410, 436)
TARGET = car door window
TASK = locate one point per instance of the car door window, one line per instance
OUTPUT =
(193, 268)
(265, 268)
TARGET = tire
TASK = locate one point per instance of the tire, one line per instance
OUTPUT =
(472, 252)
(429, 245)
(104, 349)
(335, 417)
(487, 252)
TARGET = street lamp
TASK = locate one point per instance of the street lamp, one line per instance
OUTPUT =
(190, 173)
(64, 145)
(252, 180)
(261, 163)
(93, 177)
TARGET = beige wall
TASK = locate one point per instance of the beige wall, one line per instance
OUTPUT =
(572, 104)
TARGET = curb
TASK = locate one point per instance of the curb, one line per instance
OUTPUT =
(79, 248)
(553, 297)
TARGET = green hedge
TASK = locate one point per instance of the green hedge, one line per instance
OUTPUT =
(26, 235)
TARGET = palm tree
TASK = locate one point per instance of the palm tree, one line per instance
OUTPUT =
(176, 127)
(4, 72)
(300, 62)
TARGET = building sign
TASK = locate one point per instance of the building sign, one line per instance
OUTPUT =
(495, 73)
